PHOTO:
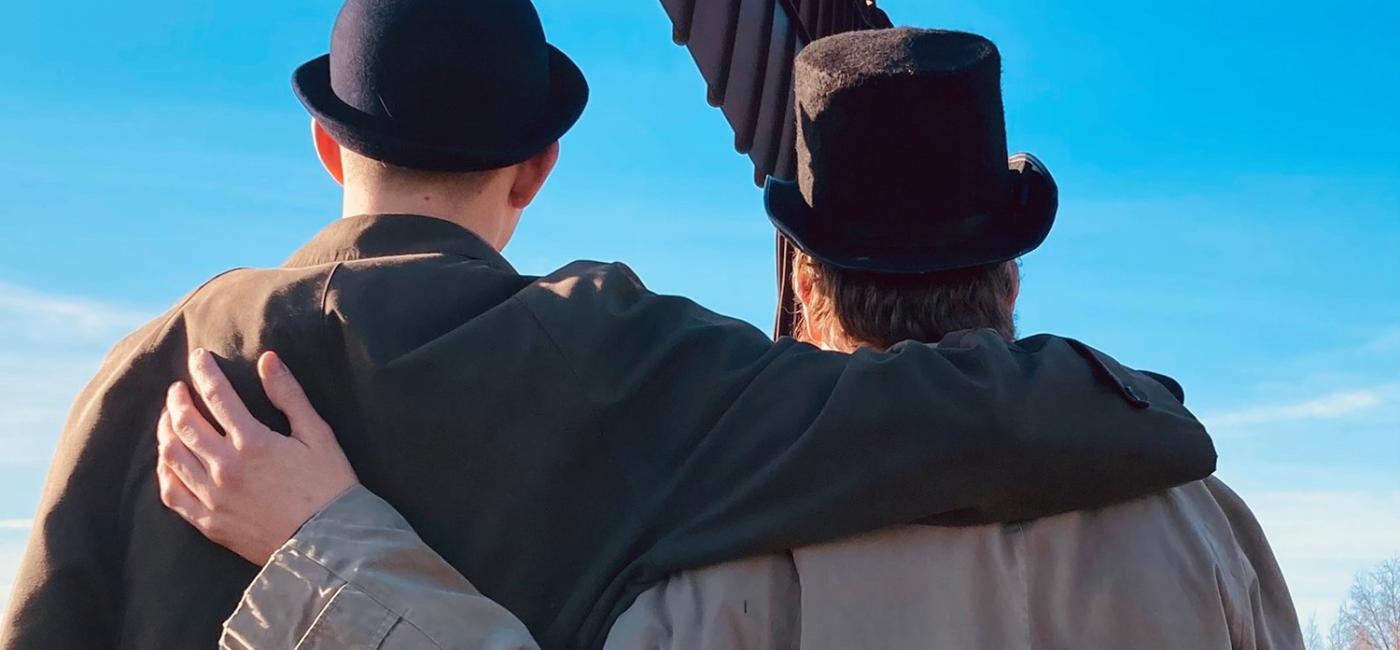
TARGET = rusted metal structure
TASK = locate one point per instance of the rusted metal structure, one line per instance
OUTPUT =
(745, 50)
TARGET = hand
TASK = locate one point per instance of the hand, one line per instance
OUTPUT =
(252, 490)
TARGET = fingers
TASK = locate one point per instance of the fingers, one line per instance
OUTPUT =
(176, 496)
(173, 453)
(223, 401)
(190, 428)
(288, 396)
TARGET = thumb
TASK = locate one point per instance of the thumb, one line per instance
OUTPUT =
(288, 396)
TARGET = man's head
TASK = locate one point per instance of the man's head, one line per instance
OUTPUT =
(843, 310)
(488, 202)
(441, 108)
(907, 215)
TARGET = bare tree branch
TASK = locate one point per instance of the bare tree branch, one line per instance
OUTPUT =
(1370, 619)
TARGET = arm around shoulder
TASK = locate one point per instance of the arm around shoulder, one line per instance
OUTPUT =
(780, 442)
(357, 575)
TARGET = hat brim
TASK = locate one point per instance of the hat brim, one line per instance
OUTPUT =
(380, 139)
(974, 241)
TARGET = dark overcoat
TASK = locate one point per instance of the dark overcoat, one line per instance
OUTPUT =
(567, 441)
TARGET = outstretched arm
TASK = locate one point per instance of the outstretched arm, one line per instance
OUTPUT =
(770, 446)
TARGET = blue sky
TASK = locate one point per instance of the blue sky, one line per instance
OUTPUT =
(1230, 209)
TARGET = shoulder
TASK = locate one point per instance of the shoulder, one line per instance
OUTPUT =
(610, 295)
(1250, 542)
(585, 277)
(148, 336)
(129, 385)
(1231, 505)
(582, 297)
(580, 289)
(249, 299)
(1203, 524)
(598, 303)
(1230, 519)
(1186, 512)
(236, 305)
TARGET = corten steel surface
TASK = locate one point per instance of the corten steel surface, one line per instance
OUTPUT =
(745, 50)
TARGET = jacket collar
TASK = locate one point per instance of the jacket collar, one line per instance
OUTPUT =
(388, 235)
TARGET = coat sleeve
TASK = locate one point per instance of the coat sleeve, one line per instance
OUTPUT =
(69, 571)
(358, 576)
(106, 562)
(773, 446)
(1269, 621)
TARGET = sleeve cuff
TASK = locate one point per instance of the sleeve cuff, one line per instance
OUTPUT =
(293, 590)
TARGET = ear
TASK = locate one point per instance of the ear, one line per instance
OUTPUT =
(328, 150)
(803, 282)
(532, 175)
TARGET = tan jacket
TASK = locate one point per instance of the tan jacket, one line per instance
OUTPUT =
(1187, 568)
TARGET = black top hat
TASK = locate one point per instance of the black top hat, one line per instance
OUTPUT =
(442, 85)
(901, 157)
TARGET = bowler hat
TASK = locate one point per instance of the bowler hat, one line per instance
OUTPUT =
(442, 85)
(902, 160)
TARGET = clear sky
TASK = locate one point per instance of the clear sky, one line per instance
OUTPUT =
(1229, 172)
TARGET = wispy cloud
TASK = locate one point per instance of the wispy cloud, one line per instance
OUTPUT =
(16, 524)
(1314, 455)
(37, 317)
(50, 345)
(1387, 341)
(1331, 406)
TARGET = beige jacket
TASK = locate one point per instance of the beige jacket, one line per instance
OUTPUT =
(1188, 568)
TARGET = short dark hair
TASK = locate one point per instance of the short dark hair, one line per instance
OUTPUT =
(880, 310)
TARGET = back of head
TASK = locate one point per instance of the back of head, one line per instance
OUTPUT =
(906, 214)
(363, 171)
(849, 309)
(442, 85)
(441, 108)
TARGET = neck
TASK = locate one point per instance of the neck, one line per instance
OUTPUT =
(475, 212)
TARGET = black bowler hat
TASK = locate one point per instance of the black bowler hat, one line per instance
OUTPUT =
(902, 161)
(442, 85)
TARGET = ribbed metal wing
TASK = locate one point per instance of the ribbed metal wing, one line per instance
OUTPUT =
(745, 50)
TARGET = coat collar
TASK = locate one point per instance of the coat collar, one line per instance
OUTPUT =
(387, 235)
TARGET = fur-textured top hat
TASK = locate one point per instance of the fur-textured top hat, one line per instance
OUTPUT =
(902, 161)
(442, 85)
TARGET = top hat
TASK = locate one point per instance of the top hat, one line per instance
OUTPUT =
(902, 163)
(442, 85)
